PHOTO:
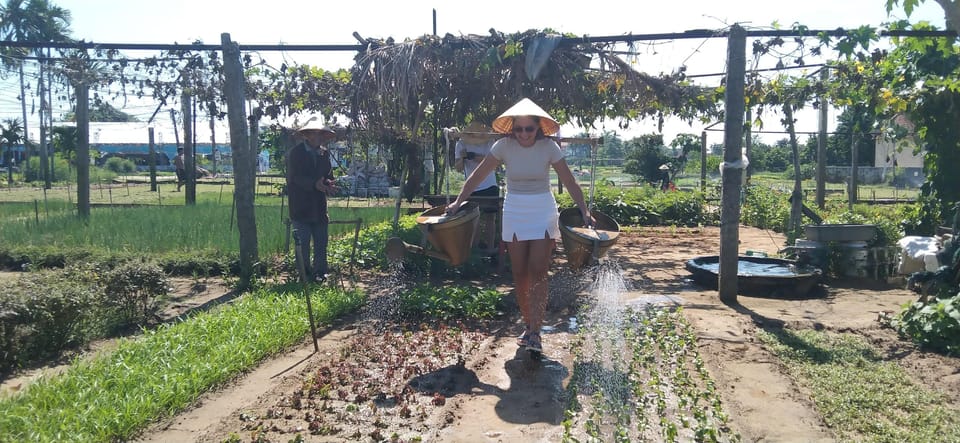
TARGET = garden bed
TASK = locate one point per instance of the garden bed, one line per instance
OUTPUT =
(490, 391)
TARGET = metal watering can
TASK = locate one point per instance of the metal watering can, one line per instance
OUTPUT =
(451, 236)
(583, 245)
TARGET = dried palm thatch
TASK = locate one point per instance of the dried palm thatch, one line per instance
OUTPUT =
(450, 78)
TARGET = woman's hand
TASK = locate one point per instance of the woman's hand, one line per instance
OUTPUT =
(588, 219)
(453, 207)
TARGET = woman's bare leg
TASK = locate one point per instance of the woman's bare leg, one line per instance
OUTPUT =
(538, 265)
(519, 261)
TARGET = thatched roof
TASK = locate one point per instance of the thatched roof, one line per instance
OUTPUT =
(456, 78)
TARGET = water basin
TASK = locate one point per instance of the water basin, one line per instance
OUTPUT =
(759, 276)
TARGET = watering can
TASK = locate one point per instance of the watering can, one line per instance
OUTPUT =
(451, 236)
(585, 245)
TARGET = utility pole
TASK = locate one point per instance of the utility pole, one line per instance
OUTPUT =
(822, 144)
(732, 166)
(44, 160)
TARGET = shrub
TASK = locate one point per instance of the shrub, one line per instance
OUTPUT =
(683, 209)
(55, 311)
(46, 312)
(120, 165)
(371, 245)
(61, 169)
(132, 292)
(807, 172)
(935, 325)
(765, 208)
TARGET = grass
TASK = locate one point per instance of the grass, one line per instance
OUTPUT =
(113, 396)
(153, 229)
(858, 394)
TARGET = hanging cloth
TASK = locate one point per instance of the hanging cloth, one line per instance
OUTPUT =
(538, 53)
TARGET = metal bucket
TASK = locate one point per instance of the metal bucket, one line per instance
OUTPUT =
(451, 236)
(581, 245)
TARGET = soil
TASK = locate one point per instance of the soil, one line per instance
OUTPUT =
(490, 391)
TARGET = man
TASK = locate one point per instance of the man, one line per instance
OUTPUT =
(309, 181)
(470, 150)
(180, 166)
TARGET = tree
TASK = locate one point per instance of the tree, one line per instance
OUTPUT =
(682, 145)
(611, 151)
(864, 120)
(645, 155)
(35, 20)
(11, 133)
(102, 111)
(951, 10)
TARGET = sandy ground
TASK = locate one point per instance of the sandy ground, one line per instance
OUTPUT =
(501, 396)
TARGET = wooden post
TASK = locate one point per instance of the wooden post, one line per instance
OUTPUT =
(243, 159)
(213, 136)
(796, 200)
(186, 107)
(82, 90)
(703, 161)
(822, 144)
(854, 169)
(748, 142)
(153, 160)
(733, 166)
(254, 151)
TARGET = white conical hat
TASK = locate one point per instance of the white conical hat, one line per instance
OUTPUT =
(314, 124)
(526, 107)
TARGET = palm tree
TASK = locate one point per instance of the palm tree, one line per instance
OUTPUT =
(13, 27)
(11, 133)
(34, 21)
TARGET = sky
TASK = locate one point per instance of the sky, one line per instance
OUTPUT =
(329, 22)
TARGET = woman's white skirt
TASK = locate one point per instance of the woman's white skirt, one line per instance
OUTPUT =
(530, 217)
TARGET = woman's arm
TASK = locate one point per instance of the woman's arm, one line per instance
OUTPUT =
(488, 165)
(576, 193)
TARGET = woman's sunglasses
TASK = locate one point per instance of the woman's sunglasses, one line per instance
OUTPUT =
(519, 129)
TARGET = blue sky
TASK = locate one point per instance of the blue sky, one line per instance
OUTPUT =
(298, 21)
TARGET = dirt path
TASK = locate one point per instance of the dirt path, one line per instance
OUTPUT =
(499, 395)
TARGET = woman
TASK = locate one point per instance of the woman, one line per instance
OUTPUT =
(530, 217)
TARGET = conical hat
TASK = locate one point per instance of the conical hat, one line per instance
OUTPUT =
(476, 128)
(526, 107)
(313, 124)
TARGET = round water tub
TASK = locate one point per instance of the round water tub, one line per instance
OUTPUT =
(759, 276)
